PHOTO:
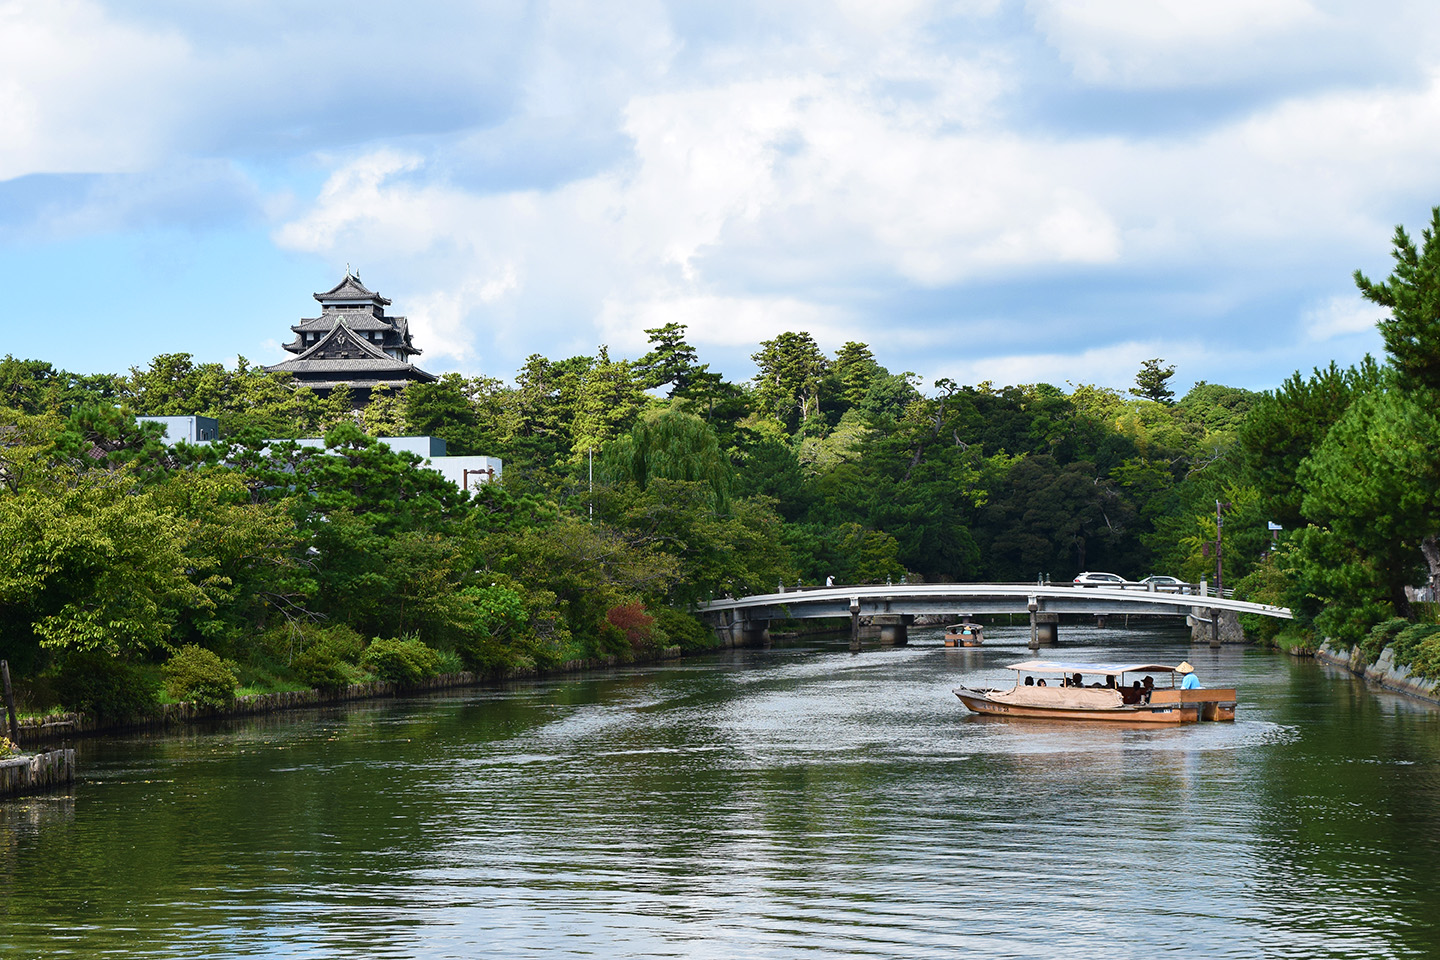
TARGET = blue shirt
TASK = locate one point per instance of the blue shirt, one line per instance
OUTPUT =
(1191, 682)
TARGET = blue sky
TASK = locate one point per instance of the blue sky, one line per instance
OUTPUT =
(982, 190)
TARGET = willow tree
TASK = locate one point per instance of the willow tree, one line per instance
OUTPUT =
(670, 445)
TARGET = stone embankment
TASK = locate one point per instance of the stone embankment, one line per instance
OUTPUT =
(173, 714)
(1383, 672)
(50, 770)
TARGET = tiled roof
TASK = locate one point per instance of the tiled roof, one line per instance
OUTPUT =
(351, 289)
(355, 321)
(341, 351)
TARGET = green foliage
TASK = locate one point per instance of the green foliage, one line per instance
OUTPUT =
(608, 640)
(677, 628)
(1417, 646)
(1381, 635)
(788, 383)
(320, 669)
(1265, 583)
(1150, 382)
(401, 660)
(1412, 294)
(670, 445)
(196, 675)
(1285, 425)
(105, 687)
(91, 562)
(499, 627)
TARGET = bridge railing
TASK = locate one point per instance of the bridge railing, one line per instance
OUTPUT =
(1202, 589)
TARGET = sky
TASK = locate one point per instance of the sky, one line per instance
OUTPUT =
(1022, 191)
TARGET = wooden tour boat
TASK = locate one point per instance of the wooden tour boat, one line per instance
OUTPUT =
(1059, 693)
(965, 634)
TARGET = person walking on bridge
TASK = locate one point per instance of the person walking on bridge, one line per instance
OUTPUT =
(1191, 682)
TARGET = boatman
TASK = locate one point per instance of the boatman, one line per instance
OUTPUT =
(1191, 682)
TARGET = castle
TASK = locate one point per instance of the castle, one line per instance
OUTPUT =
(352, 344)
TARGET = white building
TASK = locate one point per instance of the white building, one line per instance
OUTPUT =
(467, 473)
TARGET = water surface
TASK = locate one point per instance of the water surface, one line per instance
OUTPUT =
(791, 802)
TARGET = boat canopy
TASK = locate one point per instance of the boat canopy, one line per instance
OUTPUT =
(1100, 669)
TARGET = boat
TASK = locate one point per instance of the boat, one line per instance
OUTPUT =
(965, 634)
(1059, 693)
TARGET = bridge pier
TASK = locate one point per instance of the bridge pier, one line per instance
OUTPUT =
(894, 628)
(1044, 629)
(751, 633)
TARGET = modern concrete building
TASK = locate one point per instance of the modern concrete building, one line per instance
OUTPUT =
(467, 473)
(188, 429)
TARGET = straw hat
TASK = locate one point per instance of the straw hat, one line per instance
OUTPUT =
(1185, 667)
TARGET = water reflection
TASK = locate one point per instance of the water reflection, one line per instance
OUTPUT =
(755, 804)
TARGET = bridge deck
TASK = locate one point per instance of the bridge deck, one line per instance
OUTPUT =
(976, 598)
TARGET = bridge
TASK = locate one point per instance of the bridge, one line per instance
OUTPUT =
(893, 607)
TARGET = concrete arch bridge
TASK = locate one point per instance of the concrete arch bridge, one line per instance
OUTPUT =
(893, 607)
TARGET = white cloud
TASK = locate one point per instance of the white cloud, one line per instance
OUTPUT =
(752, 169)
(1135, 42)
(1340, 316)
(82, 93)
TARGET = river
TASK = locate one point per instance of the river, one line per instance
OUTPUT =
(797, 801)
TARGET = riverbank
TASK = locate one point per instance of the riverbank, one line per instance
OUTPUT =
(36, 773)
(66, 725)
(1383, 672)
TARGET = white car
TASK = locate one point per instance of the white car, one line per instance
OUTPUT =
(1093, 579)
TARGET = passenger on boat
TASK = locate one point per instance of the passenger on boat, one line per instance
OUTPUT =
(1076, 681)
(1110, 682)
(1029, 681)
(1191, 682)
(1133, 694)
(1149, 687)
(1042, 683)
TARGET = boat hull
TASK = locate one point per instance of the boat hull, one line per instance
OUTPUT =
(1170, 712)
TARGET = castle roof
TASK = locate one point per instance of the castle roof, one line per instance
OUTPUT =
(351, 289)
(342, 352)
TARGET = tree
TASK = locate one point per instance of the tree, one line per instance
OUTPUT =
(853, 372)
(787, 385)
(671, 361)
(606, 402)
(1150, 382)
(89, 562)
(1286, 424)
(1412, 293)
(1375, 481)
(670, 445)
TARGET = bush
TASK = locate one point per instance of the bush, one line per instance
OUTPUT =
(609, 639)
(331, 658)
(1410, 642)
(675, 627)
(104, 688)
(632, 620)
(320, 669)
(1380, 636)
(401, 660)
(199, 676)
(500, 621)
(448, 661)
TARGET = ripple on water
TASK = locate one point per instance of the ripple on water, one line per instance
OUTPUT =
(776, 804)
